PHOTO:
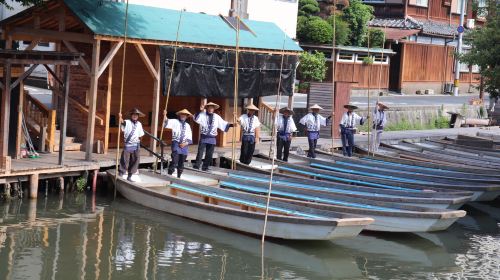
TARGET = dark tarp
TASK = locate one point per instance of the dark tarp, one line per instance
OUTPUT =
(210, 73)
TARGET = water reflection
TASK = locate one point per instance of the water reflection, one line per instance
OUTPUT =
(84, 237)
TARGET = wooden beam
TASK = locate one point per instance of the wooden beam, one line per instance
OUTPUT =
(64, 119)
(111, 54)
(108, 107)
(156, 100)
(6, 111)
(23, 76)
(144, 56)
(94, 79)
(52, 35)
(32, 45)
(82, 61)
(19, 132)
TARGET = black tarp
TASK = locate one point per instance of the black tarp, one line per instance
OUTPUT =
(210, 73)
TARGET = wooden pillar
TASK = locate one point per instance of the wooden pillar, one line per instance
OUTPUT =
(60, 182)
(94, 79)
(94, 180)
(34, 185)
(108, 107)
(4, 152)
(19, 133)
(64, 119)
(156, 100)
(31, 210)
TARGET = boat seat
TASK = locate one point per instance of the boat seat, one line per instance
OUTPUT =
(262, 165)
(199, 179)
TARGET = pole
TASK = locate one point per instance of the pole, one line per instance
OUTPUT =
(235, 94)
(459, 49)
(334, 58)
(369, 78)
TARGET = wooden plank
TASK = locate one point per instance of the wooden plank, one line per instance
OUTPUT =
(156, 99)
(23, 76)
(108, 107)
(82, 61)
(94, 79)
(6, 111)
(111, 54)
(52, 34)
(144, 56)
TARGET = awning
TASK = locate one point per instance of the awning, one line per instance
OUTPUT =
(394, 34)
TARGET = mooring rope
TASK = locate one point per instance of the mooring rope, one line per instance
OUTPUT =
(274, 135)
(125, 27)
(235, 95)
(169, 83)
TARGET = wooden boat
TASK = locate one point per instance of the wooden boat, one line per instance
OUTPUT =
(236, 210)
(389, 217)
(351, 166)
(442, 200)
(263, 165)
(384, 165)
(451, 145)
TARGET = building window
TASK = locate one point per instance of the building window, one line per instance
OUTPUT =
(475, 68)
(360, 57)
(421, 3)
(482, 9)
(380, 58)
(459, 5)
(43, 44)
(343, 56)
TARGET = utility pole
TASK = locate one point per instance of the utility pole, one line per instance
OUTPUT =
(460, 30)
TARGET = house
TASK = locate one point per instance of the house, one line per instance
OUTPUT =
(204, 66)
(423, 34)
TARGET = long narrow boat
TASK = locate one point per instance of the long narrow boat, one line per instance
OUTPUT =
(451, 145)
(357, 167)
(238, 211)
(377, 163)
(443, 200)
(263, 165)
(397, 159)
(389, 217)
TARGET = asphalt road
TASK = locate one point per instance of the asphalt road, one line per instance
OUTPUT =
(300, 100)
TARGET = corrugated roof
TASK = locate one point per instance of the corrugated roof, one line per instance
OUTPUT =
(152, 23)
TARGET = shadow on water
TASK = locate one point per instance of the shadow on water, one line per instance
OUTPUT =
(96, 238)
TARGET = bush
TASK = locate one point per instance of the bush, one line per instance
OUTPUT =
(341, 30)
(357, 16)
(376, 38)
(315, 30)
(312, 67)
(368, 60)
(308, 8)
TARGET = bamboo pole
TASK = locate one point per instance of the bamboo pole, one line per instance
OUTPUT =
(369, 79)
(235, 95)
(380, 75)
(334, 58)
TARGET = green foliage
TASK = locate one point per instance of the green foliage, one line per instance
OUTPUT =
(368, 60)
(342, 30)
(81, 183)
(308, 8)
(312, 66)
(484, 51)
(357, 16)
(315, 30)
(23, 2)
(376, 38)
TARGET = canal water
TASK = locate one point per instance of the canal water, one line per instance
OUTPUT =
(77, 236)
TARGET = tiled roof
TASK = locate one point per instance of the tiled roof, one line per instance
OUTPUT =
(425, 26)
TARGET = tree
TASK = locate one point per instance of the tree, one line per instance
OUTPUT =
(308, 8)
(357, 16)
(312, 67)
(485, 50)
(315, 30)
(376, 38)
(23, 2)
(341, 30)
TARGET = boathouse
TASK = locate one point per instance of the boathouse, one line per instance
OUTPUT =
(204, 67)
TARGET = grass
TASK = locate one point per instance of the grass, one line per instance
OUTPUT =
(434, 123)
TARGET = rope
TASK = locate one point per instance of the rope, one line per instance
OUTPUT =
(169, 82)
(274, 135)
(369, 79)
(235, 97)
(334, 58)
(125, 27)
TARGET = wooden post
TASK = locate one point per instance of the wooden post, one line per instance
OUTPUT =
(51, 130)
(64, 121)
(156, 100)
(19, 133)
(32, 210)
(108, 107)
(290, 101)
(60, 181)
(6, 110)
(34, 185)
(94, 79)
(94, 180)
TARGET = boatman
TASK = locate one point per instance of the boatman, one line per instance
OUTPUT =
(379, 121)
(313, 121)
(209, 123)
(286, 127)
(250, 125)
(348, 128)
(182, 137)
(131, 154)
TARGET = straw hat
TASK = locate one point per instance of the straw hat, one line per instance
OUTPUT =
(183, 112)
(383, 106)
(252, 107)
(350, 106)
(136, 111)
(286, 109)
(315, 106)
(213, 105)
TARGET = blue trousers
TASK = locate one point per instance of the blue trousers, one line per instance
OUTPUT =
(347, 137)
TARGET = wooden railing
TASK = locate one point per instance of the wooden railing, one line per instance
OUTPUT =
(266, 115)
(41, 120)
(76, 105)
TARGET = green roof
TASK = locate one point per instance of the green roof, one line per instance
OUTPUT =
(152, 23)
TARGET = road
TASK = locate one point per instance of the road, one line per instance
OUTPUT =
(300, 100)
